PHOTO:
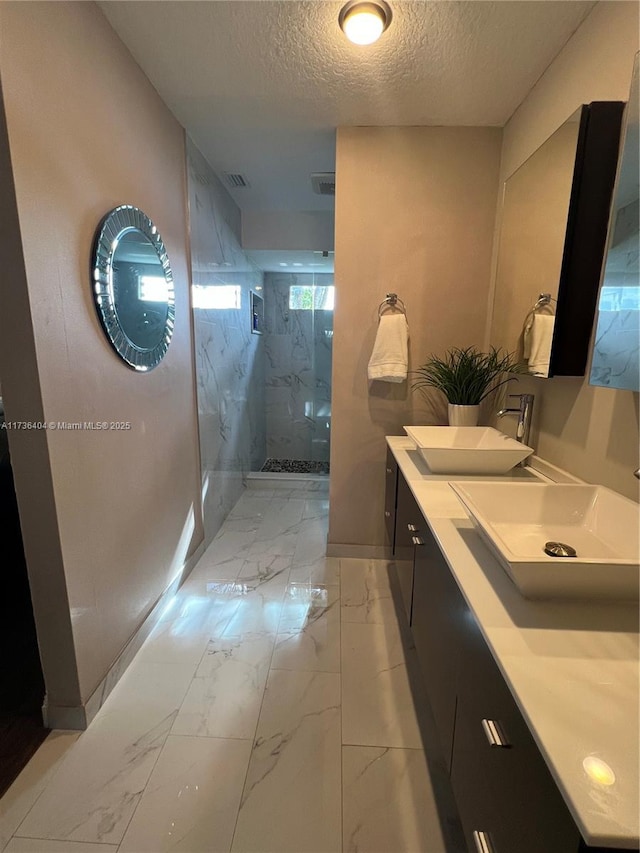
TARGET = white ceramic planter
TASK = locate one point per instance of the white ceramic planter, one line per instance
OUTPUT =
(463, 415)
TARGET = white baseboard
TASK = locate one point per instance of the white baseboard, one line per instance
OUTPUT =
(362, 552)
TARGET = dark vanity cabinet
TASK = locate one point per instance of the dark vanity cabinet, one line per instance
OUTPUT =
(390, 492)
(507, 799)
(409, 527)
(506, 796)
(404, 523)
(438, 611)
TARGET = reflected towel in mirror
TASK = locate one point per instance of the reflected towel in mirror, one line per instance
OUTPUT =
(538, 335)
(389, 360)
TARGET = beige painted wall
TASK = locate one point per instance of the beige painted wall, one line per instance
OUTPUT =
(592, 432)
(87, 132)
(415, 208)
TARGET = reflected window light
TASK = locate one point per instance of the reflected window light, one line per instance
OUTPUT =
(219, 298)
(228, 589)
(619, 298)
(152, 288)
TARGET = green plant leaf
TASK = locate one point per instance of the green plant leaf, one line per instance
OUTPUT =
(467, 376)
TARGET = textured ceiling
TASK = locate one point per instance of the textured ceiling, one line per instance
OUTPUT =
(261, 86)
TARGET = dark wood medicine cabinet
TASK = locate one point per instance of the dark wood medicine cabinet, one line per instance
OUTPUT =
(553, 235)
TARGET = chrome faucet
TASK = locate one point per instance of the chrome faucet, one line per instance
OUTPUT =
(524, 412)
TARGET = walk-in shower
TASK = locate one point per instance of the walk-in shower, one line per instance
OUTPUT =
(297, 342)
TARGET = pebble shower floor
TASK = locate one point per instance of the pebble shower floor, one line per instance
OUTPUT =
(294, 466)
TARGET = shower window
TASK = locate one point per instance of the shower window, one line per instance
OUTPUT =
(310, 297)
(217, 297)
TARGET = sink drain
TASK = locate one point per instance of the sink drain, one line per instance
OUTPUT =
(559, 549)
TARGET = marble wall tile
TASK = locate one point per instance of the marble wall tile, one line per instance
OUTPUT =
(298, 347)
(615, 352)
(230, 367)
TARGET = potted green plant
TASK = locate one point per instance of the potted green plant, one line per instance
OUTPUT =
(466, 377)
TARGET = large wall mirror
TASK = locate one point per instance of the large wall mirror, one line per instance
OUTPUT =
(616, 352)
(552, 240)
(133, 287)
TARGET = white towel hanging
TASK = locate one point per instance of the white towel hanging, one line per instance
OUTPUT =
(537, 343)
(389, 360)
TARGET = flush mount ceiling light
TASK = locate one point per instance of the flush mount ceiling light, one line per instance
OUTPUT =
(364, 21)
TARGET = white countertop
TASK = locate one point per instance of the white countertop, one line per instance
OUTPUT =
(573, 668)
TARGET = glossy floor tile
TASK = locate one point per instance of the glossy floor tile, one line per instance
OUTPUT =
(389, 803)
(21, 796)
(309, 631)
(377, 703)
(291, 797)
(269, 710)
(225, 696)
(321, 570)
(366, 592)
(192, 798)
(96, 788)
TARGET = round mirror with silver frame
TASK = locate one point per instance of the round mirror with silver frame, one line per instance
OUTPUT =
(133, 287)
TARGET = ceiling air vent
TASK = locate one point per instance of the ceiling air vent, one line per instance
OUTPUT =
(324, 183)
(235, 180)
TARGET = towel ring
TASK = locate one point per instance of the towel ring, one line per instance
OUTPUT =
(392, 300)
(544, 300)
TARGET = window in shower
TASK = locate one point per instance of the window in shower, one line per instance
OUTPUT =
(308, 297)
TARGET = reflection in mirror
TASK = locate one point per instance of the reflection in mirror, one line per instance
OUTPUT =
(552, 238)
(133, 287)
(534, 221)
(139, 290)
(616, 352)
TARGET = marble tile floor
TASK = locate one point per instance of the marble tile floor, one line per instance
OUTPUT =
(271, 709)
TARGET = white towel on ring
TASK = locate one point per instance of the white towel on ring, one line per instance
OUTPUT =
(537, 343)
(389, 360)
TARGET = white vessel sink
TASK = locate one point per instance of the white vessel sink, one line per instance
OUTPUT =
(517, 520)
(467, 450)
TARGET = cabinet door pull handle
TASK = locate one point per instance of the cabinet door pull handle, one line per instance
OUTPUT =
(417, 540)
(495, 734)
(482, 840)
(387, 514)
(412, 528)
(389, 471)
